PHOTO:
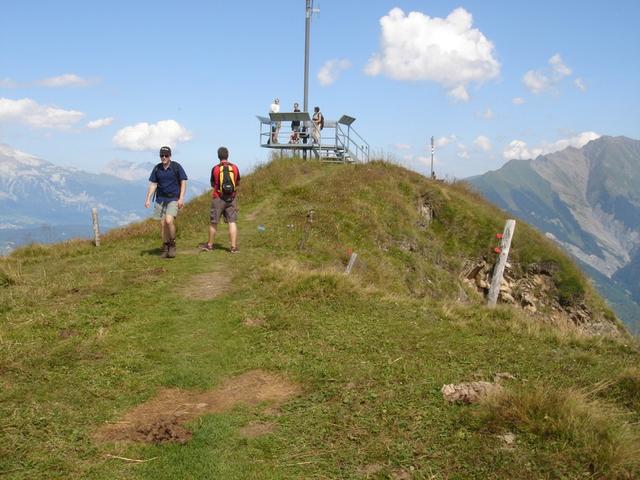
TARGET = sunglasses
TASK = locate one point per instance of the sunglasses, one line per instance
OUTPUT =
(165, 156)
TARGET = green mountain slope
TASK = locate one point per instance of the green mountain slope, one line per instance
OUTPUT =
(277, 365)
(518, 188)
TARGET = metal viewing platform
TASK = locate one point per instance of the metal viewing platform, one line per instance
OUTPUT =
(338, 141)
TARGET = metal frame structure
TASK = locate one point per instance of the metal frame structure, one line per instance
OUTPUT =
(339, 142)
(345, 145)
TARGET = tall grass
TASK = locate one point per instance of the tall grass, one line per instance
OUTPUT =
(573, 427)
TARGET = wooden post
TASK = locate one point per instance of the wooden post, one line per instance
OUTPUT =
(498, 270)
(96, 227)
(352, 262)
(307, 229)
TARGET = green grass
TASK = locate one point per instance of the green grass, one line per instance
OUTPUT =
(87, 333)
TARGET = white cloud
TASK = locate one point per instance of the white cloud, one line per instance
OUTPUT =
(102, 122)
(487, 114)
(442, 142)
(519, 150)
(331, 70)
(402, 146)
(444, 50)
(66, 80)
(580, 85)
(32, 113)
(577, 141)
(7, 83)
(518, 101)
(482, 143)
(459, 94)
(128, 170)
(538, 81)
(462, 151)
(558, 66)
(143, 136)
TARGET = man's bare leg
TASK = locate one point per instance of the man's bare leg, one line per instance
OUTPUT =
(212, 234)
(233, 235)
(169, 229)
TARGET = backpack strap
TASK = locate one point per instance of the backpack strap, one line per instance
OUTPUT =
(155, 172)
(176, 172)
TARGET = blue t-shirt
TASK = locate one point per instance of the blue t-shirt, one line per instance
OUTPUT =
(168, 185)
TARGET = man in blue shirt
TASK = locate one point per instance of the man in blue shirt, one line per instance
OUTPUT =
(169, 183)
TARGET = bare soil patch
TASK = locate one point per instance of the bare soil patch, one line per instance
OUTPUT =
(370, 469)
(67, 333)
(254, 322)
(257, 429)
(207, 286)
(162, 418)
(401, 474)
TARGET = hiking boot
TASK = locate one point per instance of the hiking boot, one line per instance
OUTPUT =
(171, 253)
(205, 247)
(234, 250)
(165, 250)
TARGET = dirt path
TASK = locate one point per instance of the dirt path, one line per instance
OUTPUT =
(162, 418)
(206, 286)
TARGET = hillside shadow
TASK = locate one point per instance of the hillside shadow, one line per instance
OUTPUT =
(154, 252)
(151, 252)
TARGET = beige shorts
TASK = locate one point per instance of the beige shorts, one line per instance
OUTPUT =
(228, 210)
(165, 208)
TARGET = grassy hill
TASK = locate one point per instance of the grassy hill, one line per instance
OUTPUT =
(273, 364)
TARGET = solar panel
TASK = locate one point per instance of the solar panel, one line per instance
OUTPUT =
(346, 120)
(289, 116)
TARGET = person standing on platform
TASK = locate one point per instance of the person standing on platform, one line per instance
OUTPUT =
(295, 126)
(318, 125)
(275, 126)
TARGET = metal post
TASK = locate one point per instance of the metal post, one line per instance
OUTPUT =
(498, 270)
(432, 152)
(96, 227)
(307, 31)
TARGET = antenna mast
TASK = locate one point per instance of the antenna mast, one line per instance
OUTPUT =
(307, 31)
(433, 148)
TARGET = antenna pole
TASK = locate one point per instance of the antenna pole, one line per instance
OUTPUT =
(307, 30)
(433, 148)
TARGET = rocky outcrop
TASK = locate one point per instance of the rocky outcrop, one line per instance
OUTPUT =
(470, 392)
(533, 289)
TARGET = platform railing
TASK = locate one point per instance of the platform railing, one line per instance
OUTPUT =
(336, 143)
(357, 148)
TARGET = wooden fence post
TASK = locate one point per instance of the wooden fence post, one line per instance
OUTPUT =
(96, 227)
(498, 270)
(352, 262)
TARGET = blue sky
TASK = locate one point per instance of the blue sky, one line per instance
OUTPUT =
(490, 80)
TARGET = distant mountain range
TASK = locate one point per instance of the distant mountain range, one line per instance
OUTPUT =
(36, 195)
(588, 200)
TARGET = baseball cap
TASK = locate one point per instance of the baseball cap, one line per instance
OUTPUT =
(165, 151)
